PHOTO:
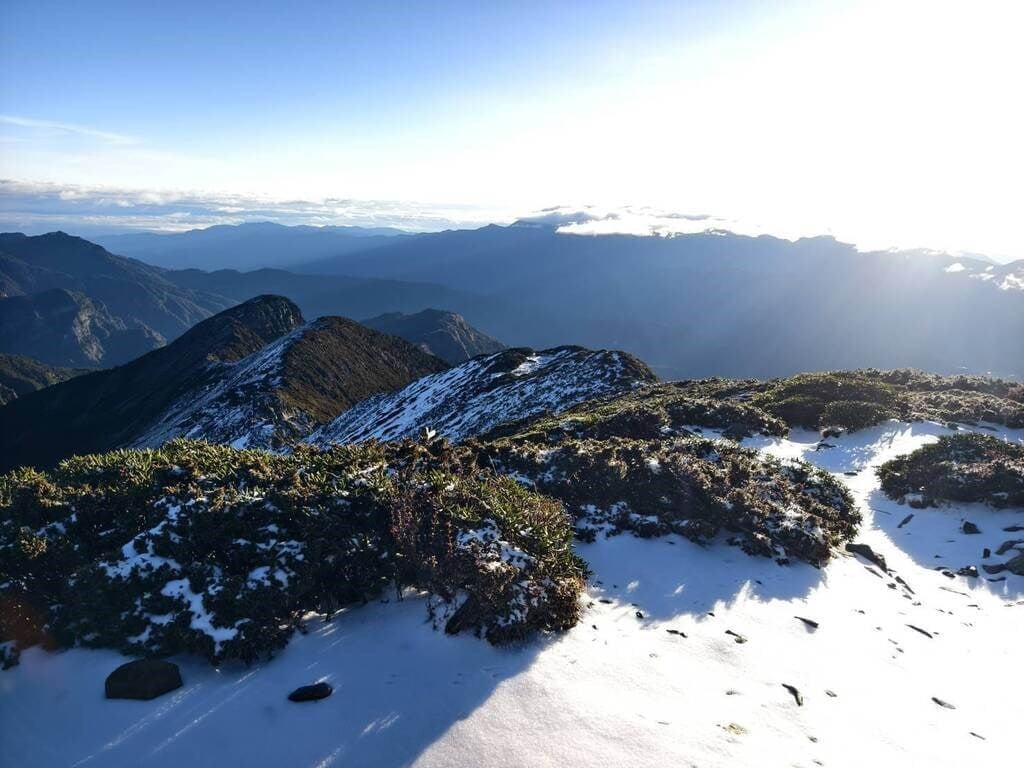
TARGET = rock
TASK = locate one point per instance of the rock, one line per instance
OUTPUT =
(969, 527)
(906, 520)
(639, 614)
(943, 704)
(867, 553)
(809, 622)
(1013, 528)
(851, 473)
(823, 445)
(828, 432)
(986, 553)
(1016, 565)
(143, 679)
(796, 693)
(736, 636)
(924, 632)
(831, 694)
(676, 632)
(313, 692)
(1006, 546)
(970, 571)
(992, 570)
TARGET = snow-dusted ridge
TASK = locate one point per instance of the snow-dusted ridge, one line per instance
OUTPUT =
(486, 391)
(239, 407)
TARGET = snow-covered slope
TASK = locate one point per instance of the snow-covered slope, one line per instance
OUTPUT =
(486, 391)
(650, 676)
(239, 408)
(285, 390)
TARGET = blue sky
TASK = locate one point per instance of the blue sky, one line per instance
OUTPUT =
(883, 123)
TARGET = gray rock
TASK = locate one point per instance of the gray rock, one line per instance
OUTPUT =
(969, 527)
(143, 679)
(867, 553)
(1016, 565)
(313, 692)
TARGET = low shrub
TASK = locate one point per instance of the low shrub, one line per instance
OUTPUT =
(210, 550)
(965, 467)
(815, 400)
(691, 486)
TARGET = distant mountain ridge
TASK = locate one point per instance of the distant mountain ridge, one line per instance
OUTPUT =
(246, 246)
(67, 328)
(136, 293)
(441, 333)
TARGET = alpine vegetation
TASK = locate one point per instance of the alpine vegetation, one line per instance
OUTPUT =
(222, 552)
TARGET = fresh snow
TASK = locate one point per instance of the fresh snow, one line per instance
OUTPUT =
(481, 393)
(619, 689)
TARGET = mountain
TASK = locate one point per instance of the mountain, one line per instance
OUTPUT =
(255, 374)
(291, 386)
(319, 295)
(136, 293)
(718, 303)
(486, 391)
(62, 327)
(246, 246)
(20, 375)
(441, 333)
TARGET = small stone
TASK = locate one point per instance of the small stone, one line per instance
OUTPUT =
(970, 571)
(313, 692)
(993, 569)
(832, 694)
(969, 527)
(986, 553)
(943, 704)
(867, 553)
(1013, 528)
(736, 636)
(906, 520)
(809, 622)
(924, 632)
(676, 632)
(1006, 546)
(796, 693)
(639, 614)
(143, 679)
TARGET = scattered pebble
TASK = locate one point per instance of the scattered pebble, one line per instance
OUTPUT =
(736, 636)
(969, 527)
(943, 704)
(924, 632)
(809, 622)
(906, 520)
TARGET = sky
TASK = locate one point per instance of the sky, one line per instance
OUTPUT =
(885, 124)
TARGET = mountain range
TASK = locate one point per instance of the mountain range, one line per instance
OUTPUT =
(246, 246)
(255, 374)
(441, 333)
(20, 375)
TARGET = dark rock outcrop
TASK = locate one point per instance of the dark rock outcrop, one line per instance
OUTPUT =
(143, 679)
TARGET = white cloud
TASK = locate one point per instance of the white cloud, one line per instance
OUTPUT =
(51, 126)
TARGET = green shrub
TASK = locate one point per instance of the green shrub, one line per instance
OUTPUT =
(965, 467)
(210, 550)
(815, 400)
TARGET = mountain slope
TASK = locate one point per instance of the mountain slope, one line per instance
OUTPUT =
(135, 293)
(445, 334)
(20, 375)
(486, 391)
(246, 246)
(721, 304)
(320, 295)
(296, 383)
(63, 327)
(106, 409)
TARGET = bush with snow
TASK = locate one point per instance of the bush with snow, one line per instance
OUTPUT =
(221, 552)
(965, 467)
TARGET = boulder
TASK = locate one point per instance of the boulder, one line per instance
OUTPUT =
(143, 679)
(970, 527)
(867, 553)
(313, 692)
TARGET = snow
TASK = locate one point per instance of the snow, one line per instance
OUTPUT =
(476, 396)
(956, 267)
(618, 689)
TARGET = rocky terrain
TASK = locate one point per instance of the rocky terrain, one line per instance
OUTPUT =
(441, 333)
(66, 328)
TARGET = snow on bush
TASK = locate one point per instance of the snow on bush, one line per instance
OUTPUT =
(966, 467)
(221, 552)
(691, 486)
